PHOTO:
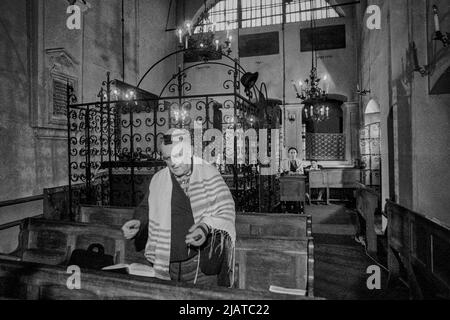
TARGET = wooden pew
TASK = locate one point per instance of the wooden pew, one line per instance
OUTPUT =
(333, 178)
(367, 203)
(262, 262)
(280, 226)
(247, 224)
(24, 280)
(108, 215)
(51, 242)
(421, 246)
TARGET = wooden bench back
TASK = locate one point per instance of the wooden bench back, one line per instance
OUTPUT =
(367, 203)
(422, 246)
(52, 242)
(281, 226)
(24, 280)
(109, 215)
(261, 263)
(247, 224)
(280, 262)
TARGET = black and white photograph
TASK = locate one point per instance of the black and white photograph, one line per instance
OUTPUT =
(240, 152)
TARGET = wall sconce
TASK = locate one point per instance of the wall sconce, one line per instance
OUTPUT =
(423, 70)
(291, 117)
(439, 35)
(361, 92)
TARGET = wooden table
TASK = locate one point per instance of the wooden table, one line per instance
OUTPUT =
(333, 178)
(292, 189)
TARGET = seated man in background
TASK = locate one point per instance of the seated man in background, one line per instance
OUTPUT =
(314, 166)
(292, 165)
(189, 230)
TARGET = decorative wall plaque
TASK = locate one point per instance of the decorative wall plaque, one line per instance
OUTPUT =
(62, 70)
(260, 44)
(325, 38)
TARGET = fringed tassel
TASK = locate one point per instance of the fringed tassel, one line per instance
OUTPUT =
(225, 241)
(198, 267)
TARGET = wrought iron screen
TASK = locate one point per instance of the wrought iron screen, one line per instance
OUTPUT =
(113, 145)
(325, 146)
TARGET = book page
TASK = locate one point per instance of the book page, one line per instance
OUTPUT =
(116, 266)
(298, 292)
(140, 269)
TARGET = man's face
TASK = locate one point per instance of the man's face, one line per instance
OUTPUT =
(314, 164)
(292, 154)
(175, 158)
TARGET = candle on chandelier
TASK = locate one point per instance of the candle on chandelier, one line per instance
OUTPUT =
(229, 39)
(327, 84)
(416, 59)
(436, 19)
(326, 111)
(180, 35)
(217, 44)
(187, 42)
(188, 26)
(295, 87)
(300, 83)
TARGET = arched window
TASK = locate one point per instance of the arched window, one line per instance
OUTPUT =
(303, 10)
(255, 13)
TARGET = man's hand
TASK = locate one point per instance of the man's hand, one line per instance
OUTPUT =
(197, 234)
(131, 228)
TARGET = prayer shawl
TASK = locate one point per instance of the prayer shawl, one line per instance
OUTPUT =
(211, 203)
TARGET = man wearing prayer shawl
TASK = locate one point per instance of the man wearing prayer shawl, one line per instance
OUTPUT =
(187, 225)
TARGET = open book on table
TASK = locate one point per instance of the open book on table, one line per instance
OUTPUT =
(137, 269)
(297, 292)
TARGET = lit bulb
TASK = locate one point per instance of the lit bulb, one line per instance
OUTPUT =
(201, 45)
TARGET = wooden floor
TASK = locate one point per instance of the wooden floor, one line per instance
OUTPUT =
(341, 262)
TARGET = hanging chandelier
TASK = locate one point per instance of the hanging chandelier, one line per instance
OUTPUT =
(317, 112)
(313, 96)
(205, 37)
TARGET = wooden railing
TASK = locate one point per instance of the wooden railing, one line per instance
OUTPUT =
(367, 203)
(8, 203)
(419, 250)
(13, 202)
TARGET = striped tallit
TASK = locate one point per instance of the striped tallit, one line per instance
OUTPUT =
(211, 203)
